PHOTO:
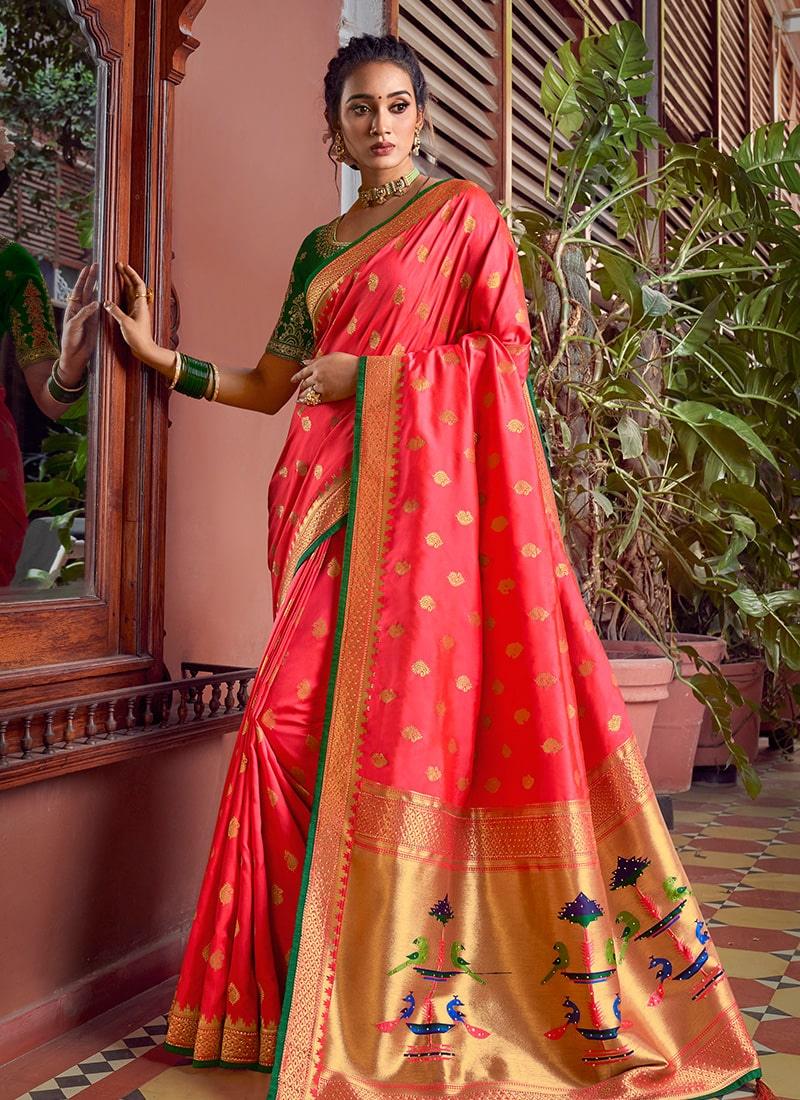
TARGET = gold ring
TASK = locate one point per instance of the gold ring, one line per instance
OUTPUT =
(312, 396)
(73, 298)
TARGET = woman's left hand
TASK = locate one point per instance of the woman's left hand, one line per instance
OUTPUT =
(333, 376)
(80, 327)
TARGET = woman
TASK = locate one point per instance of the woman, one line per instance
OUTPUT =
(55, 378)
(435, 789)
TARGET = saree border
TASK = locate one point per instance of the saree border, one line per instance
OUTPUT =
(323, 517)
(297, 1064)
(334, 270)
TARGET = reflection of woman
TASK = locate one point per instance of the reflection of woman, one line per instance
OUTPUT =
(55, 379)
(435, 780)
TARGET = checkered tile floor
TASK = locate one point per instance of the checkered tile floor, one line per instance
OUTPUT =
(743, 860)
(81, 1076)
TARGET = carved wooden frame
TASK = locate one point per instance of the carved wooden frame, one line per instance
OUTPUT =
(114, 637)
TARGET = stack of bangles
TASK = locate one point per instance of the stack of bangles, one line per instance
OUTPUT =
(195, 377)
(66, 395)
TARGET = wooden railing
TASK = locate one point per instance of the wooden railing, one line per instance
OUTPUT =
(41, 740)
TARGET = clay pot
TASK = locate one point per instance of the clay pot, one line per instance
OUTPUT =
(676, 729)
(643, 681)
(748, 676)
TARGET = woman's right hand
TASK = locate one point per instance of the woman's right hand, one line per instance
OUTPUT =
(136, 325)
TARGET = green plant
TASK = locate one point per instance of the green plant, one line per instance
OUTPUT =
(668, 377)
(48, 73)
(60, 491)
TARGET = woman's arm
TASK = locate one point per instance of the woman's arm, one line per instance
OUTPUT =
(265, 389)
(77, 343)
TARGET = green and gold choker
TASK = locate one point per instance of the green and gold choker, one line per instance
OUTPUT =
(374, 196)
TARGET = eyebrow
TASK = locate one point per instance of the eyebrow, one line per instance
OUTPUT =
(368, 95)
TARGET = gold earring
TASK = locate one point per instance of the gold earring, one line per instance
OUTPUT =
(337, 148)
(417, 139)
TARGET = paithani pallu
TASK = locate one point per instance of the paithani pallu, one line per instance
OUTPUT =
(484, 900)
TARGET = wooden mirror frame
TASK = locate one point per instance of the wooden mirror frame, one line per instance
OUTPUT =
(112, 637)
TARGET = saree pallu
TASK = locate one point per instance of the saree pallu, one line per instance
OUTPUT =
(488, 902)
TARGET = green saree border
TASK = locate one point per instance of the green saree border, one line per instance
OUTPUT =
(535, 407)
(345, 246)
(309, 550)
(753, 1075)
(312, 828)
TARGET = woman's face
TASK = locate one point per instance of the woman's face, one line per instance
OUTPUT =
(378, 115)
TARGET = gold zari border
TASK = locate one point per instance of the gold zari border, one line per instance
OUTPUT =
(346, 262)
(321, 913)
(232, 1040)
(330, 505)
(541, 836)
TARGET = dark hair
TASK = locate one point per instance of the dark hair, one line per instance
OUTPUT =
(361, 50)
(5, 181)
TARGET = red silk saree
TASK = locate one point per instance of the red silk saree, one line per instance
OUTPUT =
(439, 868)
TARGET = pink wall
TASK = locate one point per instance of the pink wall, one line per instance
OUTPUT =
(251, 179)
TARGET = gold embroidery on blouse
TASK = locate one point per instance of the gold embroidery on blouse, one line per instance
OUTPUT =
(33, 331)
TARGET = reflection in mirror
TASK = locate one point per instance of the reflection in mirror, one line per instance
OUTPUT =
(48, 316)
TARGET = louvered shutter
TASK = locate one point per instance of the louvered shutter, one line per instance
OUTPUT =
(606, 12)
(537, 32)
(734, 75)
(459, 44)
(786, 83)
(761, 65)
(689, 68)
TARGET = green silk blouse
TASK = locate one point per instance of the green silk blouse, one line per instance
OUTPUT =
(293, 335)
(25, 308)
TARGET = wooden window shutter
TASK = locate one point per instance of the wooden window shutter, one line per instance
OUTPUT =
(786, 83)
(459, 43)
(537, 30)
(689, 67)
(761, 65)
(734, 76)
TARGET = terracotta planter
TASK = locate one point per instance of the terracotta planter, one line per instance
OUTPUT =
(643, 681)
(676, 729)
(748, 676)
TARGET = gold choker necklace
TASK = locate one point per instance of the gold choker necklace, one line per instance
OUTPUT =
(374, 196)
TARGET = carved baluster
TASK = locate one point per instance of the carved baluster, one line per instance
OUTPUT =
(242, 693)
(130, 717)
(214, 704)
(26, 744)
(183, 709)
(111, 718)
(230, 698)
(166, 707)
(91, 724)
(148, 710)
(3, 742)
(49, 735)
(199, 704)
(69, 729)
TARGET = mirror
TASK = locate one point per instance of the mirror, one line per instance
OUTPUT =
(48, 210)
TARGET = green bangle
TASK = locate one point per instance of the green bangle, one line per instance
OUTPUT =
(194, 376)
(61, 393)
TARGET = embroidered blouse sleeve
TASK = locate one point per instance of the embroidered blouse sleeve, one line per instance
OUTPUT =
(30, 313)
(293, 335)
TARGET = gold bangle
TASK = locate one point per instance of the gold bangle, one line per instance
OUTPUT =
(58, 382)
(176, 370)
(212, 390)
